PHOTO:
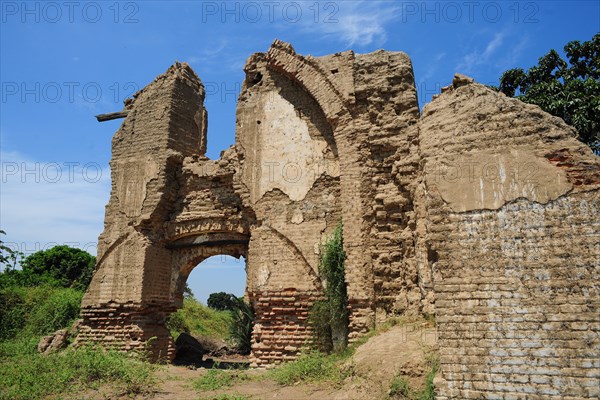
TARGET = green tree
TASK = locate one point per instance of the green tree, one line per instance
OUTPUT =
(61, 265)
(222, 301)
(8, 257)
(569, 89)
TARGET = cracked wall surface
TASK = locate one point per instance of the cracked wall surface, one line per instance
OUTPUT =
(483, 211)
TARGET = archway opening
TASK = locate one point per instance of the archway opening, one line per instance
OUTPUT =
(222, 273)
(212, 329)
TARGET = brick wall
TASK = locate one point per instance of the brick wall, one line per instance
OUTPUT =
(514, 240)
(281, 327)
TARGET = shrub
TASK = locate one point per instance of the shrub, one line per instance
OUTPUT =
(12, 313)
(176, 324)
(38, 310)
(58, 309)
(329, 317)
(241, 325)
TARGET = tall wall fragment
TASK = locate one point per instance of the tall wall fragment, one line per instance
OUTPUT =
(513, 225)
(312, 136)
(137, 282)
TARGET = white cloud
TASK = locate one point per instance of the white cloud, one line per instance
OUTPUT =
(432, 67)
(470, 61)
(355, 23)
(494, 44)
(46, 203)
(510, 58)
(208, 54)
(501, 52)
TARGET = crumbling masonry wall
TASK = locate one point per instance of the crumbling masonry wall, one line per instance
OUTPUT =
(482, 210)
(513, 223)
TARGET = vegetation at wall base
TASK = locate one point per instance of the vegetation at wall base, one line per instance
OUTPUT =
(241, 326)
(37, 311)
(26, 314)
(39, 299)
(329, 316)
(25, 374)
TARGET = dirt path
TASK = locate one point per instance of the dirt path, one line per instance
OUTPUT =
(400, 351)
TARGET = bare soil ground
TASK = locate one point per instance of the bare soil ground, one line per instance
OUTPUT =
(400, 351)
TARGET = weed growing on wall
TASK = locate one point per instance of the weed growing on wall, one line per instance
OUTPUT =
(329, 316)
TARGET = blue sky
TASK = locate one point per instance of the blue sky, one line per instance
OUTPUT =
(61, 63)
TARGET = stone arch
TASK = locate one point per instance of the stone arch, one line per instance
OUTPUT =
(307, 73)
(191, 250)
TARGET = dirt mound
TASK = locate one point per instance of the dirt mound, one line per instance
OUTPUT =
(403, 352)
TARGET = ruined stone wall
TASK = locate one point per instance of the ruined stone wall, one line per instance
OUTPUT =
(290, 170)
(329, 81)
(512, 222)
(368, 111)
(387, 112)
(484, 211)
(210, 218)
(151, 232)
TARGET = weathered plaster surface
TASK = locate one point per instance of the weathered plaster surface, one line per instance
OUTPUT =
(484, 179)
(290, 157)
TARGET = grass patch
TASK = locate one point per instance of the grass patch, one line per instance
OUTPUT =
(27, 313)
(313, 366)
(197, 319)
(429, 390)
(25, 374)
(214, 379)
(400, 387)
(226, 396)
